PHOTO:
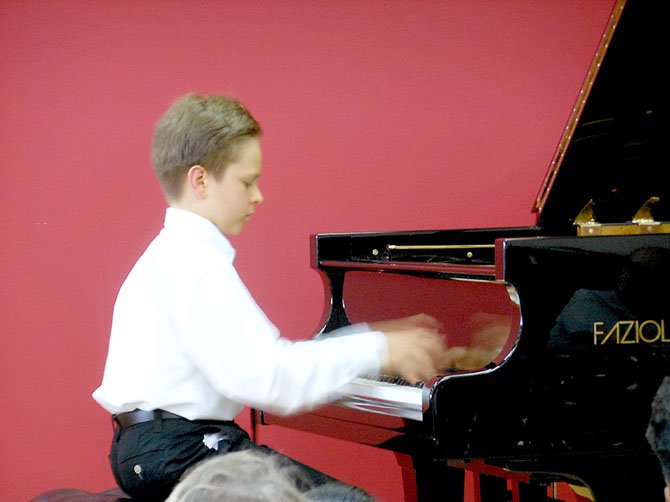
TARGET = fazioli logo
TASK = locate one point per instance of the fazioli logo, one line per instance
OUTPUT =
(630, 332)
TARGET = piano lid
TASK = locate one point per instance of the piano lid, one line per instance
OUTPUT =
(610, 151)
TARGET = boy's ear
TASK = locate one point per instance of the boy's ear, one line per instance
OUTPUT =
(197, 180)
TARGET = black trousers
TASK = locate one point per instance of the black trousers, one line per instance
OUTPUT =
(149, 458)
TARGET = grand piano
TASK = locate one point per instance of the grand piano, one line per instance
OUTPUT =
(559, 333)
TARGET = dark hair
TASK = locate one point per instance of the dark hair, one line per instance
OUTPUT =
(646, 271)
(658, 431)
(204, 130)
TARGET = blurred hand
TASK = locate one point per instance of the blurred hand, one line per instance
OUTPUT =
(469, 358)
(415, 354)
(413, 321)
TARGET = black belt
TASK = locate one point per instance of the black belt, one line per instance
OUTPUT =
(139, 416)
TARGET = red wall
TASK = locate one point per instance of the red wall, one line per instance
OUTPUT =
(379, 115)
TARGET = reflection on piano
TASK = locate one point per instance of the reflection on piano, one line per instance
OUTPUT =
(558, 338)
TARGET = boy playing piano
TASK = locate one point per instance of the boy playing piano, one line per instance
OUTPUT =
(189, 347)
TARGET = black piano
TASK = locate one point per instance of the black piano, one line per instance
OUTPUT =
(559, 333)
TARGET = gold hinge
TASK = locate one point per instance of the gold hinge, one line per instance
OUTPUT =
(642, 223)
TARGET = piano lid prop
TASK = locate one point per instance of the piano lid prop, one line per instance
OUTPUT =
(607, 176)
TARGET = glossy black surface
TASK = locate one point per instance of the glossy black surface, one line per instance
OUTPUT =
(592, 350)
(577, 361)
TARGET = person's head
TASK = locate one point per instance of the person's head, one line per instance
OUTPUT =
(646, 271)
(658, 431)
(241, 476)
(207, 158)
(338, 492)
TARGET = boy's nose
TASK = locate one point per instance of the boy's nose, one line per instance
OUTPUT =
(258, 196)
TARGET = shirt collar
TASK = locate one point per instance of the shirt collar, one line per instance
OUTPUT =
(197, 227)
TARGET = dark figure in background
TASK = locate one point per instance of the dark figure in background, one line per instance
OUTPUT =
(592, 313)
(658, 432)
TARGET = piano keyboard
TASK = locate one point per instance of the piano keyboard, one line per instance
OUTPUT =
(384, 395)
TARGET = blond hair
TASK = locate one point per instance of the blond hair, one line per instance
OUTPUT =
(201, 130)
(241, 476)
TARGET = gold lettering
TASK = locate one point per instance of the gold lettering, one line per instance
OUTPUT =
(612, 333)
(597, 331)
(628, 325)
(630, 332)
(657, 331)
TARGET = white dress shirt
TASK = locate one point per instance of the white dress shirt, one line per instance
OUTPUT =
(188, 337)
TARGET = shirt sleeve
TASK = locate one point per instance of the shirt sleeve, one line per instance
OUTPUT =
(240, 352)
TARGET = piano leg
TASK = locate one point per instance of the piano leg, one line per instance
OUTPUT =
(492, 488)
(610, 479)
(408, 476)
(435, 480)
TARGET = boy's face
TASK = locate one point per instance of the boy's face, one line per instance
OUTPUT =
(232, 200)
